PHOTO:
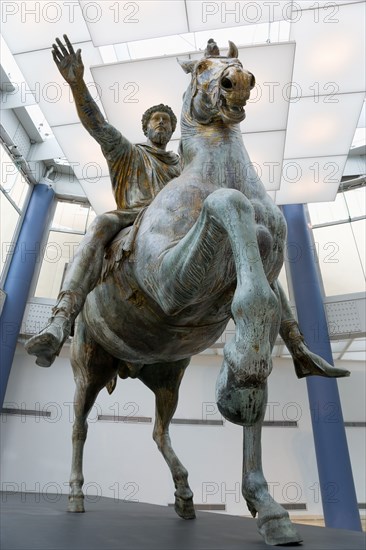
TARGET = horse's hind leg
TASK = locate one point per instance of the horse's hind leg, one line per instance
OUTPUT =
(164, 380)
(93, 369)
(85, 396)
(273, 520)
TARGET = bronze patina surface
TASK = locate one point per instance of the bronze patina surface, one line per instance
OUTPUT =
(208, 248)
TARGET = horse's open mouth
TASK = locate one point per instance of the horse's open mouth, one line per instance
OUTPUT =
(232, 111)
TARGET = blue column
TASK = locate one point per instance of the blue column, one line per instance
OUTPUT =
(19, 276)
(334, 466)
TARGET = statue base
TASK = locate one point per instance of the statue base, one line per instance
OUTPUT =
(30, 521)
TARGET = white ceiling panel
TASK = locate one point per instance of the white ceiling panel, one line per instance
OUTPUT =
(204, 16)
(331, 5)
(51, 91)
(307, 180)
(324, 127)
(245, 35)
(82, 151)
(241, 36)
(28, 25)
(330, 50)
(128, 89)
(265, 150)
(158, 47)
(99, 193)
(272, 66)
(112, 22)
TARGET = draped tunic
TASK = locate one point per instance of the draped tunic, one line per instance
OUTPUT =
(138, 172)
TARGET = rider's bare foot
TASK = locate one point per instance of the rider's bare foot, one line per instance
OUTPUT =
(48, 343)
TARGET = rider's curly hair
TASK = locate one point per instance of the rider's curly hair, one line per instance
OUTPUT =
(158, 108)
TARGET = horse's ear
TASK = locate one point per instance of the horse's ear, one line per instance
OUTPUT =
(187, 66)
(233, 50)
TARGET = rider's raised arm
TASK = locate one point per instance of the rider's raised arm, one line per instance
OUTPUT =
(71, 67)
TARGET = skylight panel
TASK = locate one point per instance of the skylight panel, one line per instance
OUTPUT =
(29, 25)
(313, 179)
(108, 54)
(111, 22)
(166, 45)
(330, 51)
(205, 16)
(322, 128)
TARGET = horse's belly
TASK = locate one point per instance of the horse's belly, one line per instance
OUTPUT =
(130, 330)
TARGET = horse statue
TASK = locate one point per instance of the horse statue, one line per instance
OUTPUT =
(209, 248)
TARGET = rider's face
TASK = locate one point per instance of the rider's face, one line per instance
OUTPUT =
(159, 128)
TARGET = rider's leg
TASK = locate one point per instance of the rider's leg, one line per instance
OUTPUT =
(81, 277)
(306, 363)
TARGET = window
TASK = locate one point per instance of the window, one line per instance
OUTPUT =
(69, 225)
(14, 190)
(339, 234)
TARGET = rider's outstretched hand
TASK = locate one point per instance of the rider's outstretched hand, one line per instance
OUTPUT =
(68, 62)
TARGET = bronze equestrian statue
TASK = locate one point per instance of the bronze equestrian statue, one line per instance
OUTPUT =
(208, 248)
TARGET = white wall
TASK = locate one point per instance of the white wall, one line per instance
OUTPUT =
(121, 460)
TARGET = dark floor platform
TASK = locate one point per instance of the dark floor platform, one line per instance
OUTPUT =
(28, 522)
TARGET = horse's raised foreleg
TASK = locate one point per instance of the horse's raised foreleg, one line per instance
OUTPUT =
(164, 380)
(273, 520)
(256, 311)
(93, 368)
(188, 269)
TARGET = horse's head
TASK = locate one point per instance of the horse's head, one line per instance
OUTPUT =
(220, 87)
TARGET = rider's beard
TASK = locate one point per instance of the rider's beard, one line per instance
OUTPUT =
(159, 137)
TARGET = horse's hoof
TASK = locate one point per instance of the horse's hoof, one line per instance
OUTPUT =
(184, 508)
(76, 504)
(279, 531)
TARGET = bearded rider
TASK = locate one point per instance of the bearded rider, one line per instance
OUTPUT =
(138, 173)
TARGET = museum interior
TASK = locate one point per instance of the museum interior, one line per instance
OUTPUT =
(305, 134)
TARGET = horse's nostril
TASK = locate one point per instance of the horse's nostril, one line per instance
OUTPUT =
(226, 83)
